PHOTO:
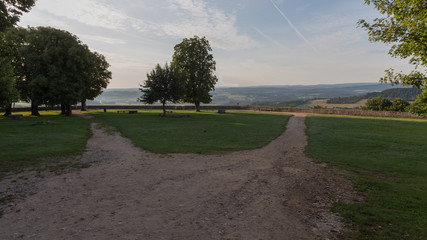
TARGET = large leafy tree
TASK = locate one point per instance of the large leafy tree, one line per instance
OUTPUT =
(54, 62)
(405, 28)
(53, 67)
(194, 61)
(11, 10)
(162, 85)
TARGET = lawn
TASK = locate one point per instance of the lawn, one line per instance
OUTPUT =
(206, 132)
(387, 160)
(23, 142)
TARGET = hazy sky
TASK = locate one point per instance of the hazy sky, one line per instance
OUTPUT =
(255, 42)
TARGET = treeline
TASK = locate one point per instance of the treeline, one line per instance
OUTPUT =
(407, 94)
(46, 66)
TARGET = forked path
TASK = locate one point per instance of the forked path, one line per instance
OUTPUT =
(270, 193)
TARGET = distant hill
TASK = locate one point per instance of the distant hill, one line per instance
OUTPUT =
(408, 94)
(257, 95)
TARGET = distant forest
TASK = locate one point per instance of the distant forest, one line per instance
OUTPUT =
(407, 94)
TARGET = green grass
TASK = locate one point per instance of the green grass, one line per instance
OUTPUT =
(24, 142)
(387, 160)
(206, 132)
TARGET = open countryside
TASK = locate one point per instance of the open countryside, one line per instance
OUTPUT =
(299, 148)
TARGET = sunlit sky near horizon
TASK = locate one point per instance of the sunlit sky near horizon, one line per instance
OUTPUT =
(255, 42)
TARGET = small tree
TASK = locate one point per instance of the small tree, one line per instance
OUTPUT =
(162, 85)
(196, 64)
(419, 107)
(399, 105)
(377, 104)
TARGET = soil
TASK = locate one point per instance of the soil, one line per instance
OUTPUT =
(274, 192)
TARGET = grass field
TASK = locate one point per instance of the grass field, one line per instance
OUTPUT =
(24, 141)
(387, 160)
(322, 103)
(206, 132)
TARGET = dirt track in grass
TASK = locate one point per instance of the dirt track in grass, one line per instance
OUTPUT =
(270, 193)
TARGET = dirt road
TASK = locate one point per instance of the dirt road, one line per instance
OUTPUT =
(270, 193)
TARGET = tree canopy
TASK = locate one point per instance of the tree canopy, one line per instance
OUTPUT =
(162, 85)
(11, 11)
(405, 28)
(196, 64)
(54, 67)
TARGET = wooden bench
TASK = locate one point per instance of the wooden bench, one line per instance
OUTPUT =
(221, 111)
(15, 116)
(133, 112)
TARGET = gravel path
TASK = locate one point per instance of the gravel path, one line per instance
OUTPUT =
(270, 193)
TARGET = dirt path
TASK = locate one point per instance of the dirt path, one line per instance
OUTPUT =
(269, 193)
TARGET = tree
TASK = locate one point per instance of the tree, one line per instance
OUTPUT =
(399, 105)
(10, 67)
(405, 27)
(55, 63)
(8, 90)
(97, 77)
(52, 67)
(162, 85)
(419, 107)
(11, 10)
(196, 64)
(377, 104)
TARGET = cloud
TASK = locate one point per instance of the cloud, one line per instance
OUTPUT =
(270, 39)
(91, 12)
(102, 39)
(293, 26)
(154, 19)
(195, 17)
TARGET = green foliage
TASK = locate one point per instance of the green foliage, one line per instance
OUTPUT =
(386, 160)
(24, 142)
(399, 105)
(11, 10)
(205, 133)
(53, 67)
(196, 64)
(405, 27)
(55, 63)
(377, 104)
(384, 104)
(407, 94)
(419, 107)
(97, 76)
(163, 85)
(8, 90)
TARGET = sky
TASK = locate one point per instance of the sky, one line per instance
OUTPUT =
(254, 42)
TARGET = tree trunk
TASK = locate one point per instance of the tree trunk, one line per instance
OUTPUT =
(69, 110)
(62, 109)
(84, 106)
(164, 109)
(8, 110)
(34, 109)
(197, 106)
